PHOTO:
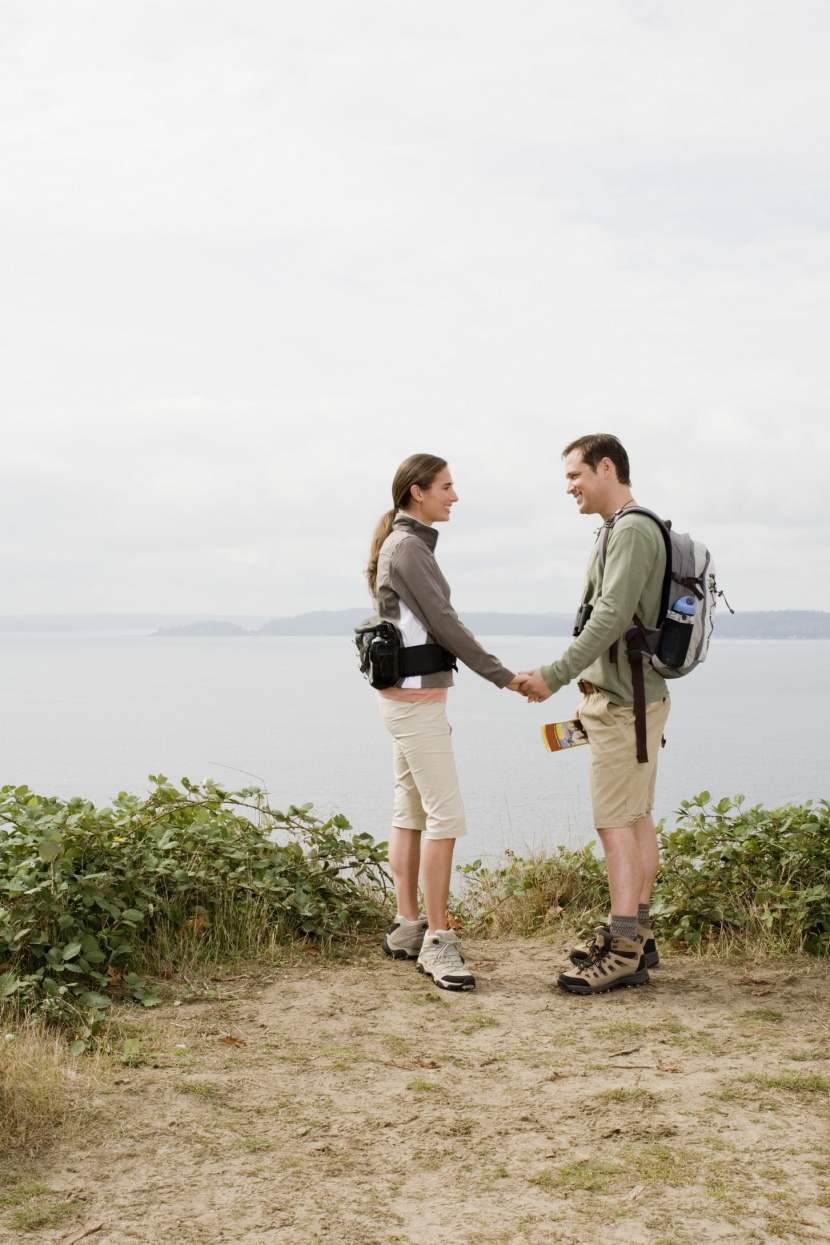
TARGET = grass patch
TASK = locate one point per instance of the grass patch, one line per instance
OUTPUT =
(621, 1029)
(344, 1055)
(208, 1091)
(674, 1165)
(23, 1192)
(790, 1082)
(28, 1218)
(419, 1086)
(475, 1021)
(30, 1207)
(397, 1045)
(582, 1175)
(644, 1097)
(761, 1016)
(693, 1040)
(42, 1088)
(254, 1144)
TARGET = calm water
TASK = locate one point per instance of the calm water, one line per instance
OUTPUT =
(91, 714)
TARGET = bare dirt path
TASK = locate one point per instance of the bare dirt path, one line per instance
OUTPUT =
(354, 1103)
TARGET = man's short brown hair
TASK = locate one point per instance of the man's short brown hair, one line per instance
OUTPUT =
(601, 445)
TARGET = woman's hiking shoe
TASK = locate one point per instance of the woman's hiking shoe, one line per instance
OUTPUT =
(405, 938)
(645, 936)
(613, 962)
(441, 960)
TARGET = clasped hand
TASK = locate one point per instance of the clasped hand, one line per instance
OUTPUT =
(530, 683)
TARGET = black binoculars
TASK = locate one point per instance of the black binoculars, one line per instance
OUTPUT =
(582, 615)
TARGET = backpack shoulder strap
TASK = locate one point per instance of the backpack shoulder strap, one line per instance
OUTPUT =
(665, 530)
(635, 635)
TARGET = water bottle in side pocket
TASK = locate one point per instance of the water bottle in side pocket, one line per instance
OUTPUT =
(677, 632)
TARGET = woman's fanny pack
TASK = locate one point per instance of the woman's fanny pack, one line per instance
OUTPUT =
(385, 660)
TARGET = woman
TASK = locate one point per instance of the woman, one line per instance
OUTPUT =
(409, 590)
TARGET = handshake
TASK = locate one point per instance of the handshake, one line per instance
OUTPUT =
(530, 683)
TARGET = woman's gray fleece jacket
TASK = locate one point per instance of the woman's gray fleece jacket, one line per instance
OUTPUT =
(408, 572)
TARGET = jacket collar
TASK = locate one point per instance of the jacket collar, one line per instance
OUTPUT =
(405, 522)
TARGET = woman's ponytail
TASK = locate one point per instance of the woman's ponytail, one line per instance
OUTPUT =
(382, 530)
(418, 469)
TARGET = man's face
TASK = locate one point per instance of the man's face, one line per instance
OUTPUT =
(584, 484)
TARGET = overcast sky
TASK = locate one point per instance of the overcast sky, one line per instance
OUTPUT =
(256, 253)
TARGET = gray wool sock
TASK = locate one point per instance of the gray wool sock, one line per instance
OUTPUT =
(643, 915)
(623, 927)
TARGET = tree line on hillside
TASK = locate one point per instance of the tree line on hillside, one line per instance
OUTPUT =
(753, 625)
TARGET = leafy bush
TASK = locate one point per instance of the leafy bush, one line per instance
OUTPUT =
(86, 892)
(757, 877)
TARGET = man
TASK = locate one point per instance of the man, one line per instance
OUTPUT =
(622, 788)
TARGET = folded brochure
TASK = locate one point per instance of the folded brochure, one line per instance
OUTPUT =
(559, 735)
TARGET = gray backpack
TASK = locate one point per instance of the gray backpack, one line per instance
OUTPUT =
(680, 640)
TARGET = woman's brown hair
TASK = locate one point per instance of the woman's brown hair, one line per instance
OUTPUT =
(418, 469)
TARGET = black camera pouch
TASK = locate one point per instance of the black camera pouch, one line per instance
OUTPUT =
(384, 661)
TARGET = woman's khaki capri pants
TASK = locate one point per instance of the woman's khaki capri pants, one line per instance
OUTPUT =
(427, 796)
(622, 790)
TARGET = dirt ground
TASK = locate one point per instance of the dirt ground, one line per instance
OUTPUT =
(354, 1103)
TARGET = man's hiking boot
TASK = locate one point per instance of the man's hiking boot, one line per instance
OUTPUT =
(613, 961)
(405, 938)
(645, 936)
(441, 960)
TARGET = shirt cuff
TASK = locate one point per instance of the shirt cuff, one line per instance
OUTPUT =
(548, 673)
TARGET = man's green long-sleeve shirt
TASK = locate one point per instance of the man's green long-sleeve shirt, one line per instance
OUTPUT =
(635, 562)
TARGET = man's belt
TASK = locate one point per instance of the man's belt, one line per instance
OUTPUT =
(588, 689)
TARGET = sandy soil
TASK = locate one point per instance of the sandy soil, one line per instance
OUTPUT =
(355, 1103)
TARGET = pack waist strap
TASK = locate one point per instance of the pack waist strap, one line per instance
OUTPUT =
(425, 659)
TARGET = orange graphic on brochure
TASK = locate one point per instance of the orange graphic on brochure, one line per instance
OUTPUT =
(559, 735)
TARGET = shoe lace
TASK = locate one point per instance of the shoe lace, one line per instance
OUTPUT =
(450, 956)
(598, 952)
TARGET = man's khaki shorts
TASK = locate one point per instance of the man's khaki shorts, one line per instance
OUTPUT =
(622, 790)
(427, 795)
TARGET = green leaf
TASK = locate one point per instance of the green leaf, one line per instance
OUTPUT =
(131, 1053)
(9, 984)
(71, 950)
(49, 849)
(77, 1047)
(90, 999)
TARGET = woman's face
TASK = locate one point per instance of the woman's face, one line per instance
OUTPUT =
(433, 505)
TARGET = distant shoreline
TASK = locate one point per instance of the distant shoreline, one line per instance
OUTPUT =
(750, 625)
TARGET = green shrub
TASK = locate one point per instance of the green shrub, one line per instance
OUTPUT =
(759, 877)
(754, 879)
(523, 895)
(86, 892)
